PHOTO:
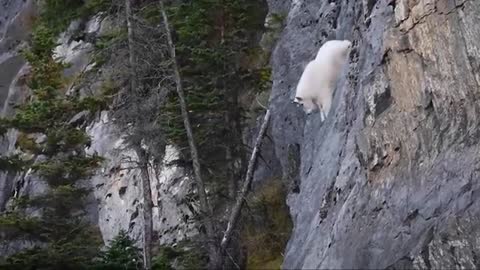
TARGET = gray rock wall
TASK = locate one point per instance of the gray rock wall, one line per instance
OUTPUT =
(15, 22)
(118, 193)
(391, 178)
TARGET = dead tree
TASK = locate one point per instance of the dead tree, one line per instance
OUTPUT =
(216, 249)
(215, 260)
(141, 153)
(237, 208)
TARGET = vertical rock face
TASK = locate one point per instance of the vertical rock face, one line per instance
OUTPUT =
(116, 202)
(391, 179)
(117, 189)
(15, 22)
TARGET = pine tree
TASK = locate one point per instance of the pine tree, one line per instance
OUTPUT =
(121, 254)
(57, 236)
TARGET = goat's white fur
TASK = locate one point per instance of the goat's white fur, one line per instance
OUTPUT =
(317, 83)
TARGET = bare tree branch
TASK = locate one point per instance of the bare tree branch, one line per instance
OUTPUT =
(235, 213)
(214, 254)
(142, 155)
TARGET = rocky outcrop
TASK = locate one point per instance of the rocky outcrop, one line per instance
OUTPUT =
(115, 202)
(118, 193)
(390, 180)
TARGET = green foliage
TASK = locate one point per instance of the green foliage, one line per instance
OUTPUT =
(98, 102)
(64, 139)
(95, 6)
(14, 223)
(94, 104)
(64, 170)
(37, 116)
(4, 126)
(121, 254)
(27, 143)
(12, 163)
(267, 229)
(276, 20)
(107, 45)
(110, 38)
(45, 77)
(61, 237)
(212, 39)
(59, 202)
(74, 251)
(57, 14)
(264, 80)
(151, 14)
(42, 44)
(185, 256)
(165, 258)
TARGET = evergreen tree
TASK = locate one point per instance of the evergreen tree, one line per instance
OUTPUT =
(51, 226)
(121, 254)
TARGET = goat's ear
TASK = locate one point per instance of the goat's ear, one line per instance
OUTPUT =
(298, 99)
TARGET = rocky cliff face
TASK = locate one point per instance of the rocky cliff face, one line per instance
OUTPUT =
(391, 178)
(115, 203)
(15, 20)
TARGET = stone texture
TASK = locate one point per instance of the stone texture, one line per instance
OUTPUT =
(116, 202)
(117, 189)
(391, 178)
(15, 22)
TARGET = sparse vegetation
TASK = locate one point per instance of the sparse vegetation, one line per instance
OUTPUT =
(267, 227)
(121, 254)
(213, 39)
(184, 256)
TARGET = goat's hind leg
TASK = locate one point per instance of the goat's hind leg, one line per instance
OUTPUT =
(325, 103)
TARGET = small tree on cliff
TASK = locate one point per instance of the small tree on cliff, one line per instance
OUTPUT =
(121, 254)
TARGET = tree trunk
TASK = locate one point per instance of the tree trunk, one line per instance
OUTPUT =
(235, 213)
(215, 258)
(229, 157)
(131, 49)
(147, 207)
(142, 155)
(233, 141)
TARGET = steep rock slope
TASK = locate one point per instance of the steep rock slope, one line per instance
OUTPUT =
(391, 178)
